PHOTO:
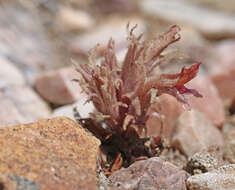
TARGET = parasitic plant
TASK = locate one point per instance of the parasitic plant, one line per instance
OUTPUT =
(123, 92)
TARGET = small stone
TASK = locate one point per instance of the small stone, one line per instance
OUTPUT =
(114, 28)
(223, 178)
(194, 132)
(223, 73)
(51, 154)
(153, 173)
(57, 87)
(167, 110)
(211, 23)
(73, 19)
(210, 101)
(204, 161)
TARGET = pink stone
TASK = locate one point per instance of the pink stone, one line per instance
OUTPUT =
(222, 69)
(195, 132)
(168, 109)
(153, 173)
(210, 101)
(57, 87)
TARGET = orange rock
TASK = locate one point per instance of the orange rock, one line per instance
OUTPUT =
(57, 87)
(52, 154)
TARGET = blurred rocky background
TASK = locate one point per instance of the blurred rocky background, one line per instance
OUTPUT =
(38, 41)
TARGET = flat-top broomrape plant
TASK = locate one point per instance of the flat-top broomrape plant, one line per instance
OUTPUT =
(123, 92)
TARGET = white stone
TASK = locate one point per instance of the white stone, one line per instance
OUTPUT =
(220, 179)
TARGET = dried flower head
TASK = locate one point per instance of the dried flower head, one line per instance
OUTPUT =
(122, 93)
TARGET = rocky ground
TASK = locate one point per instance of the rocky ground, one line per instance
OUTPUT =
(38, 41)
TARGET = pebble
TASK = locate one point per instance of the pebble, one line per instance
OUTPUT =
(194, 132)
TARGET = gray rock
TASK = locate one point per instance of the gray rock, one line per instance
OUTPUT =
(112, 6)
(211, 23)
(24, 183)
(10, 74)
(20, 104)
(114, 28)
(23, 40)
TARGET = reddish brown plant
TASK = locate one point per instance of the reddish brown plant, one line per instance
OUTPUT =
(123, 92)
